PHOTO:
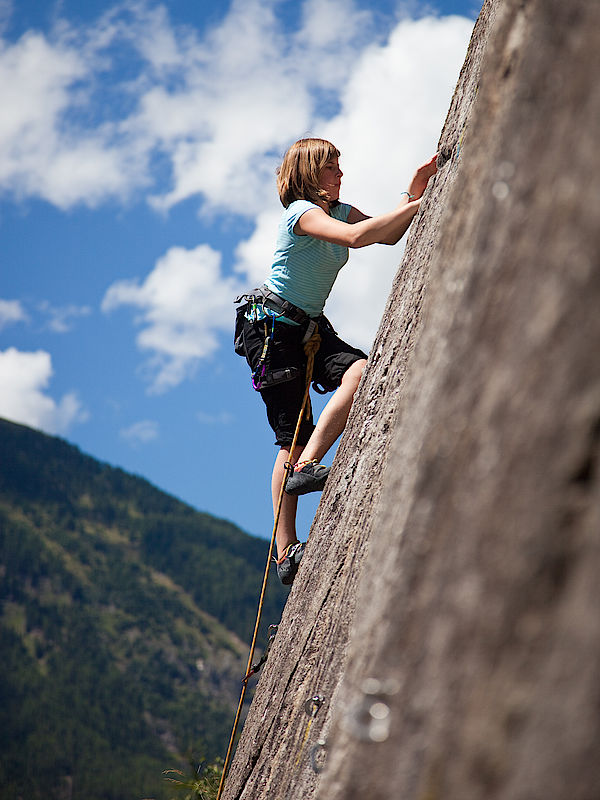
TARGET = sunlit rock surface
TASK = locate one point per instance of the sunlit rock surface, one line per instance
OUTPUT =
(442, 638)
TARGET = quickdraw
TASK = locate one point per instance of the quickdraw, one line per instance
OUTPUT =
(260, 372)
(255, 668)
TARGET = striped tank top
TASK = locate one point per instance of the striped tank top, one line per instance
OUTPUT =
(304, 269)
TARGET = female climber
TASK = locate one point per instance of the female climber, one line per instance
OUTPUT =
(314, 235)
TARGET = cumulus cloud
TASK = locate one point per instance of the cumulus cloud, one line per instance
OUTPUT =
(246, 93)
(44, 151)
(387, 102)
(11, 311)
(76, 130)
(393, 104)
(181, 306)
(24, 378)
(218, 107)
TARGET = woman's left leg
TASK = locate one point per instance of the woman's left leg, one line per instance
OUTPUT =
(286, 527)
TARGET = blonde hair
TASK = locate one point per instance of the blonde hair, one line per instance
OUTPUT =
(298, 175)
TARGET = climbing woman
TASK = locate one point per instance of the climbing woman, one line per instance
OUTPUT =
(279, 318)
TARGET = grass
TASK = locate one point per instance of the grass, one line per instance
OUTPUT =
(201, 783)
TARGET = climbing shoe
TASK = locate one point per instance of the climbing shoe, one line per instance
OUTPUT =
(287, 565)
(308, 476)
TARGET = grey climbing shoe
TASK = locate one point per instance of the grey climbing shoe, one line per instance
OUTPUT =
(287, 566)
(310, 477)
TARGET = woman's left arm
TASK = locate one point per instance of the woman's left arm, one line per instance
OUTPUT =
(416, 188)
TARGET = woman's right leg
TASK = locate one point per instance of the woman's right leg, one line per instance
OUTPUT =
(334, 416)
(286, 529)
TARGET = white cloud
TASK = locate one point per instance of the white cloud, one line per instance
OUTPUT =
(332, 33)
(182, 304)
(252, 91)
(44, 152)
(394, 106)
(24, 377)
(219, 106)
(11, 311)
(254, 254)
(141, 432)
(394, 103)
(60, 318)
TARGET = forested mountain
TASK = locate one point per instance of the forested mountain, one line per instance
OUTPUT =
(123, 621)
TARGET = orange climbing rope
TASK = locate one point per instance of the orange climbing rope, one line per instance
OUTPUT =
(310, 348)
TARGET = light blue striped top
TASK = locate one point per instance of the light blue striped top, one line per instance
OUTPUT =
(304, 269)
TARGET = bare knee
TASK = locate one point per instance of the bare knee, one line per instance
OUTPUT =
(284, 455)
(352, 376)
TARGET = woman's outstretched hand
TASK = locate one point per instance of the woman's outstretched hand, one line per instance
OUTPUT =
(421, 177)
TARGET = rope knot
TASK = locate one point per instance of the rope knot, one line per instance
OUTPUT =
(313, 344)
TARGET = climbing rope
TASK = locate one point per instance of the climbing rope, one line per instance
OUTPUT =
(310, 349)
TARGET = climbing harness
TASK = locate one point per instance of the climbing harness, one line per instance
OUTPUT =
(267, 299)
(310, 348)
(263, 305)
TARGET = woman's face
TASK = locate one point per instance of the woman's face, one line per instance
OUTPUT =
(330, 179)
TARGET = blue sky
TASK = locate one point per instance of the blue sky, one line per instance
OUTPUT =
(138, 144)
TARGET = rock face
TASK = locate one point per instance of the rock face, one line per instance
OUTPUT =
(442, 638)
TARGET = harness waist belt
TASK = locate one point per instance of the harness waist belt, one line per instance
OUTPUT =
(276, 303)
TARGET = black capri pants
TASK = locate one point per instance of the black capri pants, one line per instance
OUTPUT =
(286, 351)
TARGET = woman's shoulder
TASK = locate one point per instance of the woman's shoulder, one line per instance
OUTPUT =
(299, 207)
(293, 212)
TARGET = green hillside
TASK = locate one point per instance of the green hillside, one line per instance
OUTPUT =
(123, 622)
